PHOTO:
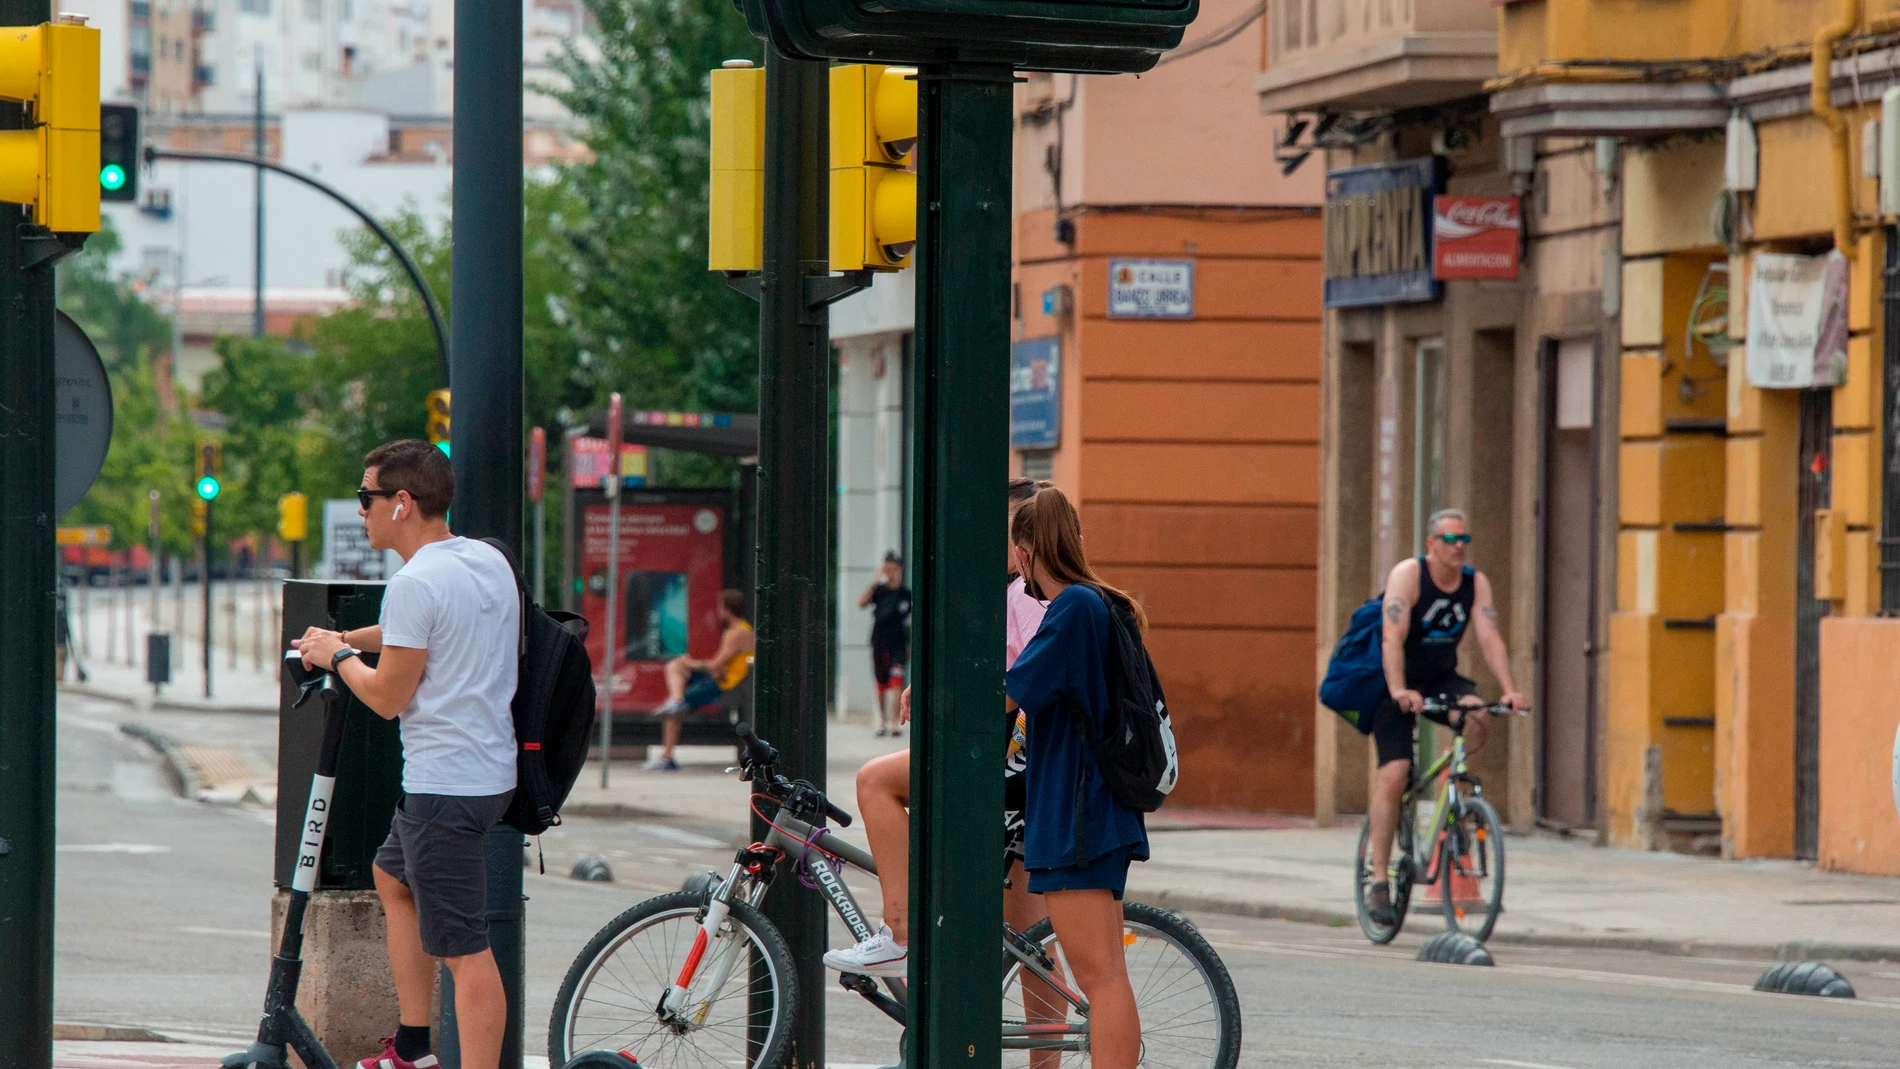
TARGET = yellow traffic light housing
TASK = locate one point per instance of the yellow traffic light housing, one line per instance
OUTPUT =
(207, 459)
(53, 165)
(737, 206)
(873, 191)
(438, 416)
(293, 517)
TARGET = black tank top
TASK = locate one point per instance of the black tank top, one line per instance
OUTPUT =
(1438, 625)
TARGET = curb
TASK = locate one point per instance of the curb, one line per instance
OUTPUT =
(184, 777)
(109, 1033)
(1690, 948)
(164, 705)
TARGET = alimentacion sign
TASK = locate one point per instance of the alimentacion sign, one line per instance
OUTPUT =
(1378, 232)
(1475, 237)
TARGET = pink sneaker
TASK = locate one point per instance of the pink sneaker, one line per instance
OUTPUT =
(389, 1060)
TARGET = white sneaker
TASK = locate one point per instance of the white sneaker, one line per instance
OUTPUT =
(879, 955)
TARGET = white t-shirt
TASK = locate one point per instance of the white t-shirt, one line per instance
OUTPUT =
(457, 600)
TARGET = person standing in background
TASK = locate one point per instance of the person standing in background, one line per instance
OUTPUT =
(889, 602)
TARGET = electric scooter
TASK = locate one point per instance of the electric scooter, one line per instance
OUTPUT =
(283, 1027)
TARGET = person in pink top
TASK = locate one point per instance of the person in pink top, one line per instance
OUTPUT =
(884, 804)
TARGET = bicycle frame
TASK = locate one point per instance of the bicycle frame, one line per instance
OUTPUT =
(799, 842)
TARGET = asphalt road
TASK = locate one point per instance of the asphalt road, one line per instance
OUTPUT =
(164, 912)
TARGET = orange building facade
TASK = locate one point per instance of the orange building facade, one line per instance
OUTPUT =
(1188, 420)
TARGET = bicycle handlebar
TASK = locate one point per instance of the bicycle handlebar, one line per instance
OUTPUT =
(760, 759)
(1440, 705)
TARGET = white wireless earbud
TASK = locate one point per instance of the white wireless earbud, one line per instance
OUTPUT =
(397, 515)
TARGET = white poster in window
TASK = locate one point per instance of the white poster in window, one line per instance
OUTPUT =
(1797, 321)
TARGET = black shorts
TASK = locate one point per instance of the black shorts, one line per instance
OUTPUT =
(435, 849)
(1392, 726)
(887, 665)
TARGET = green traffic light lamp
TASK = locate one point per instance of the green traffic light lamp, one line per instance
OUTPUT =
(208, 488)
(112, 177)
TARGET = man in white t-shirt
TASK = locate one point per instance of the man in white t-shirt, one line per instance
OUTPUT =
(449, 647)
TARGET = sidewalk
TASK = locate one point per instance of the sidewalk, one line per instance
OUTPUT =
(1559, 892)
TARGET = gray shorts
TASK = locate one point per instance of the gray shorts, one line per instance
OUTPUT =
(435, 849)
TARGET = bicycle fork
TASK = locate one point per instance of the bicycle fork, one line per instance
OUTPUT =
(717, 968)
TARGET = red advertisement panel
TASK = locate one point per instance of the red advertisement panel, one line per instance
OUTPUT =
(672, 565)
(1475, 237)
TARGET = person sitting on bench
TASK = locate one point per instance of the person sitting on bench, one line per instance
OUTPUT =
(692, 683)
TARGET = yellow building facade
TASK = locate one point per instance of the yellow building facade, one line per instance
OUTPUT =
(1752, 664)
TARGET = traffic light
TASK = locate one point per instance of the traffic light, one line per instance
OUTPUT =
(1085, 36)
(207, 459)
(209, 488)
(873, 194)
(53, 164)
(736, 241)
(293, 517)
(198, 517)
(438, 417)
(118, 152)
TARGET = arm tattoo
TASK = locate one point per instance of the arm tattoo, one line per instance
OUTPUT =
(1394, 609)
(1490, 613)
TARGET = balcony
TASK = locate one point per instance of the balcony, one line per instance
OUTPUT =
(1376, 55)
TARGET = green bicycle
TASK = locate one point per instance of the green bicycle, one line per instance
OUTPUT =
(1458, 852)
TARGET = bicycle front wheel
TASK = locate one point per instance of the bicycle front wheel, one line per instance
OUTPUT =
(740, 1006)
(1190, 1013)
(1471, 872)
(1399, 881)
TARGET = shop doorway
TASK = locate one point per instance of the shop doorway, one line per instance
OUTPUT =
(1816, 475)
(1566, 706)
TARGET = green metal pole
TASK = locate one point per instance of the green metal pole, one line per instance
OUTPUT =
(959, 464)
(28, 589)
(794, 492)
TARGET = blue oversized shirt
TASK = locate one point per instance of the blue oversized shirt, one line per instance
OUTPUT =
(1061, 680)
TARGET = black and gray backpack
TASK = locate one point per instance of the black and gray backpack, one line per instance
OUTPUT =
(554, 709)
(1136, 748)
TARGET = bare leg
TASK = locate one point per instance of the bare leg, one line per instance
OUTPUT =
(481, 1009)
(1089, 924)
(883, 803)
(1477, 732)
(676, 674)
(1041, 1003)
(669, 736)
(1387, 788)
(410, 965)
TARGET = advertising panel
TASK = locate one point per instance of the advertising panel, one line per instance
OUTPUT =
(1378, 233)
(672, 567)
(1035, 393)
(1475, 237)
(588, 465)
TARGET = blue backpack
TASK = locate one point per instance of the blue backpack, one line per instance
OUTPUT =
(1355, 676)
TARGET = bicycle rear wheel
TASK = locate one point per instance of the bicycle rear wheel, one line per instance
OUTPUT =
(1471, 872)
(1190, 1013)
(1399, 874)
(611, 997)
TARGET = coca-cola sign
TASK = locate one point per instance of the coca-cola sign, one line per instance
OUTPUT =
(1475, 237)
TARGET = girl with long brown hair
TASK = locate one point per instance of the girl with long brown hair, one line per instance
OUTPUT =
(1079, 840)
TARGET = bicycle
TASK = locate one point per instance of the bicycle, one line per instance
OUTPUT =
(1466, 856)
(705, 969)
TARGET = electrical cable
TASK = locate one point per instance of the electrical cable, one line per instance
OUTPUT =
(1218, 37)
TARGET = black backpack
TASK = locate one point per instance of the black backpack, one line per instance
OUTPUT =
(554, 709)
(1136, 749)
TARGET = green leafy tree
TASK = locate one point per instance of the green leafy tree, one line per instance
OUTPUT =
(651, 321)
(151, 445)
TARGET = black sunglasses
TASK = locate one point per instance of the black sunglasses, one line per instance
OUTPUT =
(364, 497)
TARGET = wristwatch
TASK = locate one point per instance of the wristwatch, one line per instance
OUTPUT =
(344, 654)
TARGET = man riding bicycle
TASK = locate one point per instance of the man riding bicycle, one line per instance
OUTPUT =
(1429, 601)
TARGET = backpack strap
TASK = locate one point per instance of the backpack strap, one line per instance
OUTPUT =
(521, 592)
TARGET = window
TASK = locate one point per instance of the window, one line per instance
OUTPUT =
(1039, 463)
(254, 7)
(141, 42)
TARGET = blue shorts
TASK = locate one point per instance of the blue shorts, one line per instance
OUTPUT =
(1106, 873)
(702, 689)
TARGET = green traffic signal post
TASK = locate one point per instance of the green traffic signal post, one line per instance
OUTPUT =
(208, 488)
(968, 53)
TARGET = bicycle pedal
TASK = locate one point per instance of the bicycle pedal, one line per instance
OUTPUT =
(857, 982)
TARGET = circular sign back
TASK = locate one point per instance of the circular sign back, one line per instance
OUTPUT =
(82, 420)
